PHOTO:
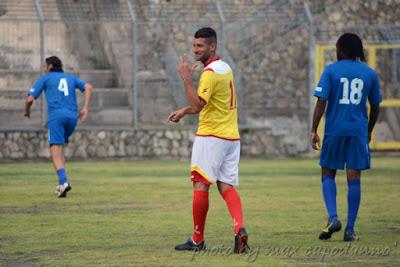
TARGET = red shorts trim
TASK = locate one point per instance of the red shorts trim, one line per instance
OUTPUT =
(197, 177)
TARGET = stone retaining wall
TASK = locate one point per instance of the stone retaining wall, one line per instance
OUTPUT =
(158, 144)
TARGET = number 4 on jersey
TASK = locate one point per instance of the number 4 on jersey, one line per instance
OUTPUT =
(63, 86)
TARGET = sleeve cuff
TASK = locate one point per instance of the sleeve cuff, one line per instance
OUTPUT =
(202, 99)
(316, 94)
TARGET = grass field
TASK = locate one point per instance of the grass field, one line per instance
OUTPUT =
(132, 213)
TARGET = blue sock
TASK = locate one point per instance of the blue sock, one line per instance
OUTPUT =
(329, 193)
(62, 176)
(353, 202)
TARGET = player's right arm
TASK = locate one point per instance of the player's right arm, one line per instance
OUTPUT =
(196, 103)
(176, 115)
(186, 74)
(86, 89)
(374, 98)
(373, 117)
(87, 95)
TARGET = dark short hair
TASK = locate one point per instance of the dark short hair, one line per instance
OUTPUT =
(207, 33)
(350, 46)
(56, 63)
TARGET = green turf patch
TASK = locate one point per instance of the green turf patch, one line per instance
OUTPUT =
(132, 213)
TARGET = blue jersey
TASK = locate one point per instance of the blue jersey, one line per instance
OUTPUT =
(60, 93)
(347, 85)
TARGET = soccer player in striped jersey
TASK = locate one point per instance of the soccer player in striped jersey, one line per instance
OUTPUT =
(345, 87)
(216, 148)
(63, 114)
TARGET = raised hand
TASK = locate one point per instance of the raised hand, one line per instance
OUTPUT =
(184, 68)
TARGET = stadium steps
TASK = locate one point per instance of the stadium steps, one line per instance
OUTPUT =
(19, 78)
(102, 98)
(21, 9)
(109, 106)
(109, 117)
(15, 118)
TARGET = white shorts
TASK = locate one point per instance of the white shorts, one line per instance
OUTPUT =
(216, 159)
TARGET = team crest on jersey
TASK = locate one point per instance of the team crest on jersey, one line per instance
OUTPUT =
(205, 90)
(32, 90)
(318, 89)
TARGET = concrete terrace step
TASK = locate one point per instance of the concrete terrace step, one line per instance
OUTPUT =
(112, 116)
(15, 118)
(96, 89)
(21, 9)
(98, 78)
(102, 98)
(108, 117)
(14, 78)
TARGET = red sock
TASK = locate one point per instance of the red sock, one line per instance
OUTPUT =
(232, 200)
(200, 208)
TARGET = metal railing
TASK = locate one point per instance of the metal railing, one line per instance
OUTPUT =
(129, 52)
(128, 48)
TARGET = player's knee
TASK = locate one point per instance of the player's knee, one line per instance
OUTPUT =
(222, 187)
(200, 186)
(353, 174)
(328, 172)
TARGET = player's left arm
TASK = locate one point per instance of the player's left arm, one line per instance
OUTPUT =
(28, 105)
(33, 93)
(321, 92)
(318, 113)
(185, 72)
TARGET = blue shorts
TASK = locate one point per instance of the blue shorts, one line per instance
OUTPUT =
(338, 151)
(60, 129)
